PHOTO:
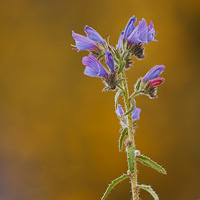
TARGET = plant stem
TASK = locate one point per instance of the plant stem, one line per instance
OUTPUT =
(131, 141)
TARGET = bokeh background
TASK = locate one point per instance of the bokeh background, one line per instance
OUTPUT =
(58, 131)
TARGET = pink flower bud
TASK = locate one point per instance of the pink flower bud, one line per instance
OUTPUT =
(156, 81)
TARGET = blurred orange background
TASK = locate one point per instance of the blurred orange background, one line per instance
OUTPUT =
(58, 131)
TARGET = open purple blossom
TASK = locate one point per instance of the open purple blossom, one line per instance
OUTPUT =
(119, 45)
(110, 61)
(93, 35)
(93, 67)
(129, 27)
(119, 111)
(156, 81)
(140, 33)
(154, 72)
(83, 43)
(135, 113)
(151, 32)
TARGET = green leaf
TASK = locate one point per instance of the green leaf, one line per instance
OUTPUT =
(138, 85)
(117, 95)
(150, 190)
(123, 134)
(121, 66)
(147, 161)
(113, 184)
(132, 107)
(119, 81)
(131, 158)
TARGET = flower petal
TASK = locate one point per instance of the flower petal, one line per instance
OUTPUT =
(82, 42)
(119, 45)
(156, 81)
(109, 61)
(151, 32)
(93, 35)
(119, 111)
(93, 67)
(129, 27)
(140, 33)
(136, 113)
(154, 72)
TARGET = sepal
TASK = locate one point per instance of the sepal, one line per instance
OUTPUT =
(151, 92)
(136, 50)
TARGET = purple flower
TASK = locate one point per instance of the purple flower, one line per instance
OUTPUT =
(83, 43)
(136, 113)
(129, 27)
(140, 33)
(110, 61)
(151, 32)
(119, 111)
(120, 41)
(156, 81)
(154, 72)
(93, 67)
(93, 35)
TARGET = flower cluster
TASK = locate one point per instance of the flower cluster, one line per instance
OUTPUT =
(130, 43)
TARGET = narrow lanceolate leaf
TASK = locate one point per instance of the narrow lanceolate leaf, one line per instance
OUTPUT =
(119, 81)
(150, 190)
(147, 161)
(138, 84)
(113, 184)
(132, 107)
(131, 158)
(121, 66)
(117, 95)
(121, 139)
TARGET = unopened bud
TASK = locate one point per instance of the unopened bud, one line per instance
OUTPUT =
(156, 81)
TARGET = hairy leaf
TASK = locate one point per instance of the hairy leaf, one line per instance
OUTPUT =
(147, 161)
(132, 107)
(131, 157)
(117, 95)
(113, 184)
(150, 190)
(121, 66)
(123, 134)
(138, 84)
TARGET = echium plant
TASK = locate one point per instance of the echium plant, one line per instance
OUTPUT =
(118, 60)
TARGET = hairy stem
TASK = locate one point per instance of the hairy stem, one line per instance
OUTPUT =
(131, 140)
